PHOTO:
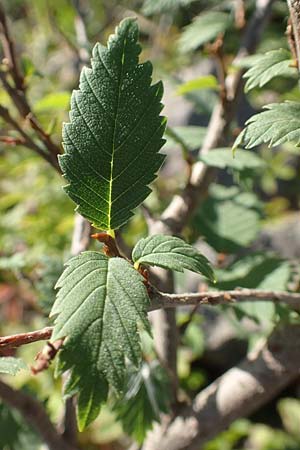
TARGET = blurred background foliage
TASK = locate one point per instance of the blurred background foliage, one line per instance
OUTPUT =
(247, 225)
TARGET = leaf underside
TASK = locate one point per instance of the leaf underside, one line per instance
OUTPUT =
(115, 132)
(10, 365)
(278, 124)
(98, 307)
(171, 253)
(203, 29)
(270, 65)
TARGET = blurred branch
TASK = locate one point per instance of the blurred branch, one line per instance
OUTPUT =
(181, 208)
(268, 369)
(17, 94)
(16, 340)
(35, 414)
(294, 8)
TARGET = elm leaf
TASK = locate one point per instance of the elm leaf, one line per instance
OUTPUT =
(99, 305)
(115, 132)
(172, 253)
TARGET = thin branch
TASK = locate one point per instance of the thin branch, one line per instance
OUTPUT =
(294, 8)
(35, 414)
(268, 369)
(162, 300)
(16, 340)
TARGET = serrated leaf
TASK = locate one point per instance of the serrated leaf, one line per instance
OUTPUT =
(171, 253)
(146, 395)
(112, 142)
(10, 365)
(190, 137)
(278, 124)
(241, 160)
(270, 65)
(98, 306)
(204, 82)
(203, 29)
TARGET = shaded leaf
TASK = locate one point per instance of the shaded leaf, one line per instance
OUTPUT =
(203, 29)
(227, 225)
(171, 253)
(112, 142)
(191, 137)
(151, 7)
(10, 365)
(146, 395)
(241, 160)
(98, 306)
(278, 124)
(270, 65)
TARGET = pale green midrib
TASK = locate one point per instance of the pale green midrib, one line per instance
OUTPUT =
(110, 231)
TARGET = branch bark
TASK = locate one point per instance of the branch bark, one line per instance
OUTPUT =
(294, 8)
(165, 301)
(268, 369)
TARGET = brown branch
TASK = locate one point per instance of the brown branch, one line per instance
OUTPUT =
(294, 8)
(35, 414)
(9, 52)
(268, 369)
(16, 340)
(162, 300)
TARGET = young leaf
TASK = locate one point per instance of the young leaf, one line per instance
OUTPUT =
(171, 253)
(205, 82)
(278, 124)
(10, 365)
(203, 29)
(242, 160)
(273, 64)
(98, 306)
(112, 142)
(146, 396)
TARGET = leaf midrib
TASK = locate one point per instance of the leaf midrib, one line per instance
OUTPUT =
(110, 231)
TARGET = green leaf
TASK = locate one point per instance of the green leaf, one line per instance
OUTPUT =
(151, 7)
(190, 137)
(98, 306)
(278, 124)
(227, 224)
(146, 396)
(171, 253)
(10, 365)
(270, 65)
(112, 142)
(205, 82)
(203, 29)
(241, 160)
(289, 410)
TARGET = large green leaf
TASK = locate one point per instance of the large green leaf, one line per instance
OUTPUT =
(278, 124)
(203, 29)
(98, 307)
(10, 365)
(273, 64)
(146, 395)
(172, 253)
(112, 142)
